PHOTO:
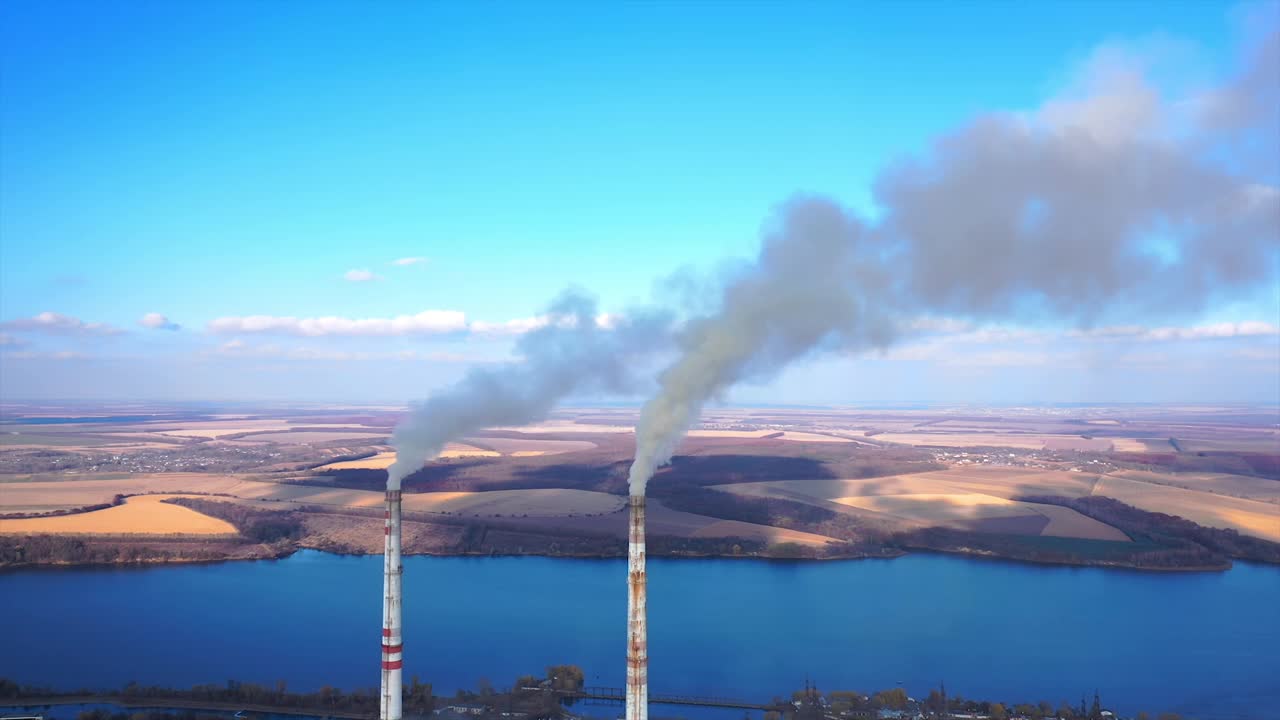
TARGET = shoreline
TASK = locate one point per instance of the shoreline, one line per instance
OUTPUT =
(892, 554)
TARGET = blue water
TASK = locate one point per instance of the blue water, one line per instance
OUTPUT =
(1187, 642)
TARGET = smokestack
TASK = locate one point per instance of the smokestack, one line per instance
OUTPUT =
(392, 645)
(637, 624)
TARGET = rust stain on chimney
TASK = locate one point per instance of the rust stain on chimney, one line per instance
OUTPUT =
(637, 623)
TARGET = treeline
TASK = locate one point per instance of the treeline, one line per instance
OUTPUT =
(44, 549)
(255, 525)
(810, 704)
(117, 500)
(529, 696)
(1061, 550)
(1169, 530)
(1265, 465)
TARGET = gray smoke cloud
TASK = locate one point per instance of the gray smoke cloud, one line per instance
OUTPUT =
(575, 351)
(1109, 201)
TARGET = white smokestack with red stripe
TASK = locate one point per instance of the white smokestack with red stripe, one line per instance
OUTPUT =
(392, 643)
(637, 618)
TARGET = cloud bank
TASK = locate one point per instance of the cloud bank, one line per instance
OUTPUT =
(57, 324)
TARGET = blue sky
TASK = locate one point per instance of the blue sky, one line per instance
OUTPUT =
(213, 160)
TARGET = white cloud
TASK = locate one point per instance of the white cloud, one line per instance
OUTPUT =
(58, 324)
(518, 326)
(410, 261)
(1250, 328)
(56, 355)
(427, 322)
(7, 340)
(156, 321)
(1013, 346)
(360, 275)
(239, 349)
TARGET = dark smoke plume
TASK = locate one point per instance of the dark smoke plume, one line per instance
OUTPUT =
(575, 351)
(1109, 201)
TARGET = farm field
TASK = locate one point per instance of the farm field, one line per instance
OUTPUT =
(1250, 517)
(1241, 486)
(312, 438)
(46, 496)
(871, 475)
(1009, 440)
(142, 515)
(530, 448)
(383, 460)
(978, 500)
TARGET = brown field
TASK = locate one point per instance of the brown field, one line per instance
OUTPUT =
(1251, 517)
(968, 498)
(1078, 443)
(1141, 445)
(46, 496)
(509, 446)
(663, 521)
(1261, 444)
(211, 429)
(311, 438)
(143, 515)
(1065, 522)
(1241, 486)
(566, 426)
(965, 440)
(506, 503)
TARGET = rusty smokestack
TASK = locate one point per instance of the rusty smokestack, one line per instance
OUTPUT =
(637, 624)
(392, 644)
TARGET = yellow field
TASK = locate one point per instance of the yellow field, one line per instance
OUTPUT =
(143, 515)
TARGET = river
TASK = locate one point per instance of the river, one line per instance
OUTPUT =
(1195, 642)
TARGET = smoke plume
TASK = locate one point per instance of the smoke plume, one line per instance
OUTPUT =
(573, 351)
(1108, 201)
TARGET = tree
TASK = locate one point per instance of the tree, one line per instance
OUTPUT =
(998, 712)
(568, 678)
(934, 702)
(895, 699)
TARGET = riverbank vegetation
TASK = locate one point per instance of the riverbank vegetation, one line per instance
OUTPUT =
(530, 697)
